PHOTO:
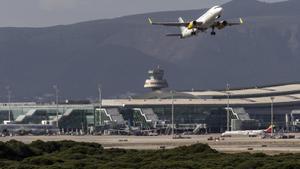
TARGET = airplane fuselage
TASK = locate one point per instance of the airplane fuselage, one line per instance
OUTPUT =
(206, 19)
(244, 133)
(210, 16)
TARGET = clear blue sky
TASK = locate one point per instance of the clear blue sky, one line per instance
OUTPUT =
(38, 13)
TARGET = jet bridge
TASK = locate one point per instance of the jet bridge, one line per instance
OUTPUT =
(109, 115)
(240, 119)
(33, 116)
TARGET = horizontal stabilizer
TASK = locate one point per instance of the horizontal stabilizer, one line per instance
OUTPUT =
(174, 34)
(240, 23)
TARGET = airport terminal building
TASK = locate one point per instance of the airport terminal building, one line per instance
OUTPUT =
(193, 111)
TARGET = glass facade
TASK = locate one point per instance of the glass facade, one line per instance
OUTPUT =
(212, 117)
(85, 116)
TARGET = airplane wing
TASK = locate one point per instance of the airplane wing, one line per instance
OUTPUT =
(174, 34)
(186, 24)
(223, 24)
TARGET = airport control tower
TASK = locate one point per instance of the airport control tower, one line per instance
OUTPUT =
(156, 79)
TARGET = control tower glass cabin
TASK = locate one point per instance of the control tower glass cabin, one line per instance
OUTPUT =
(156, 80)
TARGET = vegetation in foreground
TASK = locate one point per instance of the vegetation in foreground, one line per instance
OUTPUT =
(75, 155)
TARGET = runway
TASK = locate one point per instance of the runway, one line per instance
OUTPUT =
(228, 145)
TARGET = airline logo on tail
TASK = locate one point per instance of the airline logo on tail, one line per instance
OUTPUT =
(269, 129)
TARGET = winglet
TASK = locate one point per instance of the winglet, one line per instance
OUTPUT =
(241, 21)
(150, 21)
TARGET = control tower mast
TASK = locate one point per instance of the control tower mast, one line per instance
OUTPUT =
(156, 80)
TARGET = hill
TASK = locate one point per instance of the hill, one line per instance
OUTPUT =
(118, 52)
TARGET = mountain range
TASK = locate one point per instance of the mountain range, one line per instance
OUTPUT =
(118, 53)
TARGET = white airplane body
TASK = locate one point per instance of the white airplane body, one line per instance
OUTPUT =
(206, 21)
(248, 132)
(244, 133)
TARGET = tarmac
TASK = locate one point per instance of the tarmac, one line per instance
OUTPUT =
(227, 145)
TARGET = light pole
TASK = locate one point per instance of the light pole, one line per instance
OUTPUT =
(172, 109)
(9, 99)
(228, 117)
(55, 87)
(272, 115)
(100, 102)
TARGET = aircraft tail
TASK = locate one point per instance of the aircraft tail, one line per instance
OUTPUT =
(269, 129)
(182, 28)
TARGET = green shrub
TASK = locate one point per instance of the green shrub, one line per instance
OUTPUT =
(250, 164)
(70, 154)
(52, 146)
(20, 149)
(6, 152)
(15, 150)
(40, 160)
(196, 148)
(84, 150)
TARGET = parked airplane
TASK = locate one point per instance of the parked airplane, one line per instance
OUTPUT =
(206, 21)
(248, 132)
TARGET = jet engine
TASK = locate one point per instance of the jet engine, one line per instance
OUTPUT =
(192, 25)
(221, 24)
(194, 33)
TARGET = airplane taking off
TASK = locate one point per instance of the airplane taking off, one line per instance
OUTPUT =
(248, 132)
(206, 21)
